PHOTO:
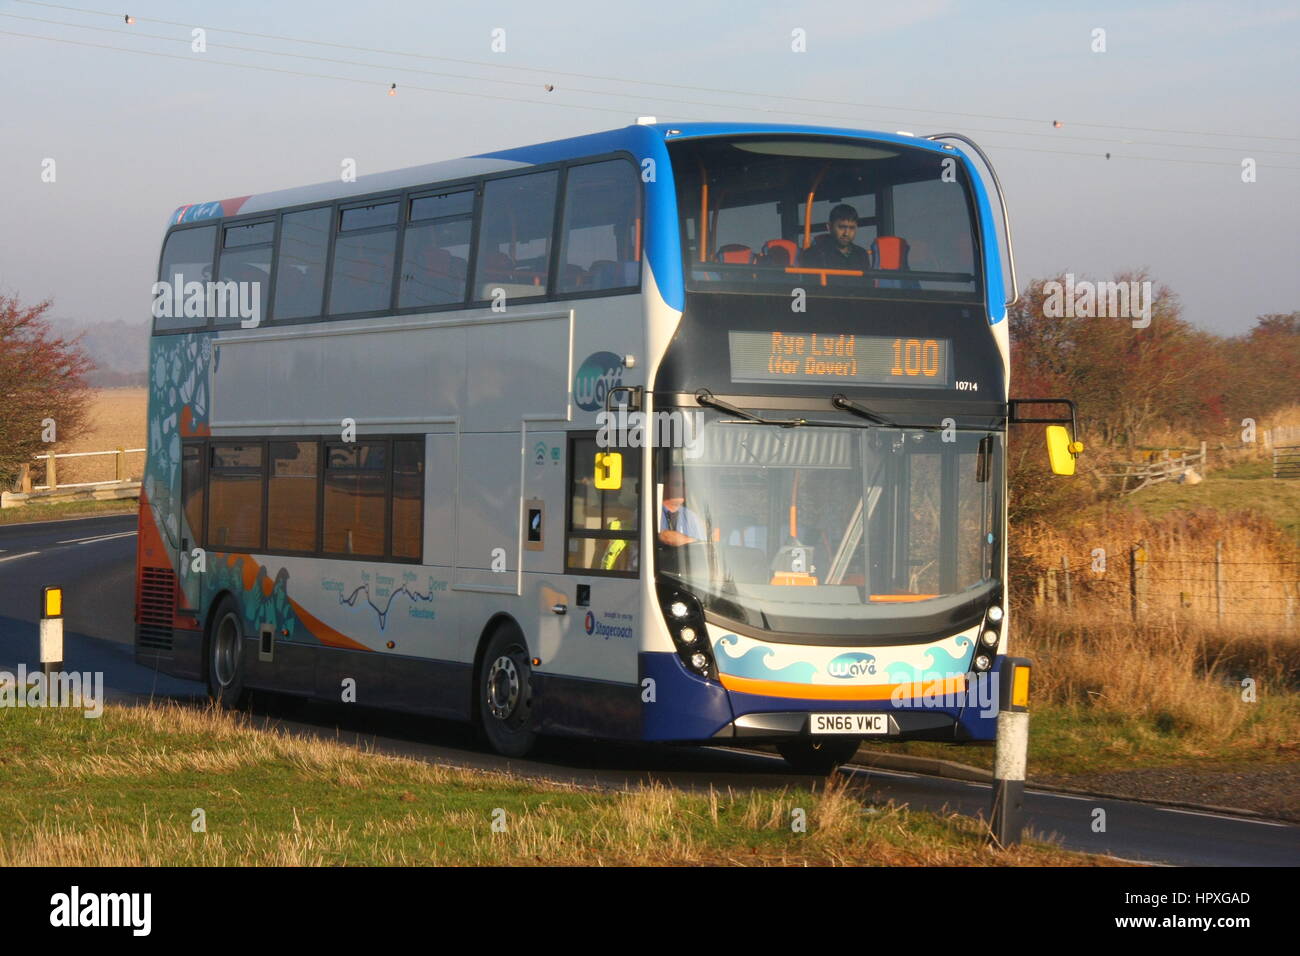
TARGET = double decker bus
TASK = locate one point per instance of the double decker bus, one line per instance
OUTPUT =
(686, 433)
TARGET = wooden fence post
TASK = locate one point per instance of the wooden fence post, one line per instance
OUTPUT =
(1205, 459)
(1065, 580)
(1051, 586)
(25, 479)
(1137, 578)
(1039, 591)
(51, 471)
(119, 471)
(1218, 579)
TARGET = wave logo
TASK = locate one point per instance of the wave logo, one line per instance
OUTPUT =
(599, 372)
(848, 666)
(589, 622)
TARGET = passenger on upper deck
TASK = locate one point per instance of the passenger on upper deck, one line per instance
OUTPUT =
(836, 249)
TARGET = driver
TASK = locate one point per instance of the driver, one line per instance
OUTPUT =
(678, 524)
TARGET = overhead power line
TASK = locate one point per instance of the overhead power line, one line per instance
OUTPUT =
(549, 101)
(532, 84)
(766, 96)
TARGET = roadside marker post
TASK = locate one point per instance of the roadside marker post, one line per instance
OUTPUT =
(1011, 752)
(51, 635)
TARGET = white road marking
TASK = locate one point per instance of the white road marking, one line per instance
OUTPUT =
(102, 537)
(15, 557)
(1221, 816)
(1064, 796)
(887, 773)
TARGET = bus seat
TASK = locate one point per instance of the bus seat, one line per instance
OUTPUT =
(437, 262)
(890, 252)
(573, 278)
(735, 252)
(608, 274)
(496, 266)
(779, 253)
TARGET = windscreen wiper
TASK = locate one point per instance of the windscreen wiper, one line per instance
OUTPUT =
(842, 401)
(705, 397)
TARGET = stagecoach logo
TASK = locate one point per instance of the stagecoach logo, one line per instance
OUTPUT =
(621, 628)
(852, 665)
(599, 372)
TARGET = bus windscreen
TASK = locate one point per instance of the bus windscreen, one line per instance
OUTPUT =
(828, 216)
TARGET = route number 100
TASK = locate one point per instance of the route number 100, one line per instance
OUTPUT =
(914, 357)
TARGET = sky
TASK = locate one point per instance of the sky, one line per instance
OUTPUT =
(137, 122)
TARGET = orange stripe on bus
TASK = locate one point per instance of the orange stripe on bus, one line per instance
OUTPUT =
(772, 688)
(324, 633)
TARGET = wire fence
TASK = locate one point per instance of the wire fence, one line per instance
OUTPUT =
(1211, 586)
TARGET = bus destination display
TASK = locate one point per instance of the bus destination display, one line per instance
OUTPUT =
(818, 357)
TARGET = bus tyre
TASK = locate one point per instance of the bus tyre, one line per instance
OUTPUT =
(505, 700)
(819, 755)
(225, 657)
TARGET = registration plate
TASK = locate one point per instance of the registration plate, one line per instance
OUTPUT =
(849, 724)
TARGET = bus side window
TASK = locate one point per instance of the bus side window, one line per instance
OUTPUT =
(514, 246)
(435, 250)
(300, 263)
(355, 479)
(235, 496)
(603, 525)
(364, 250)
(187, 257)
(293, 478)
(245, 259)
(192, 489)
(600, 244)
(408, 498)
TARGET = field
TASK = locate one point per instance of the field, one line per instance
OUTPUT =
(116, 420)
(169, 785)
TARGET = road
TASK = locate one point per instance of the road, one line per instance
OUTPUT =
(93, 559)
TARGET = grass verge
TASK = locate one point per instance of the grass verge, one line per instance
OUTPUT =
(67, 509)
(1108, 695)
(124, 790)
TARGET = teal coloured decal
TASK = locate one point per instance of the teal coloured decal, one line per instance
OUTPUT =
(753, 663)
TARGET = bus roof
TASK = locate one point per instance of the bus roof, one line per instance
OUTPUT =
(640, 140)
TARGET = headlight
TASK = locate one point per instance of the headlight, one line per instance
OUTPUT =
(990, 638)
(685, 619)
(995, 613)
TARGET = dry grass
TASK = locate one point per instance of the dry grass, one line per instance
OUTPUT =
(1260, 570)
(1186, 681)
(275, 800)
(117, 418)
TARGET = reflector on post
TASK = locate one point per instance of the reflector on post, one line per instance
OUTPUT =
(52, 602)
(1020, 687)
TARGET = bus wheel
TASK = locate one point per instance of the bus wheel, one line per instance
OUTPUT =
(819, 755)
(225, 657)
(505, 694)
